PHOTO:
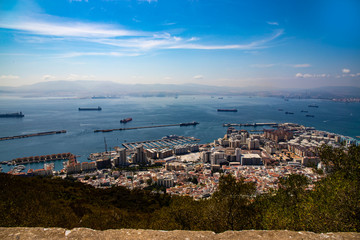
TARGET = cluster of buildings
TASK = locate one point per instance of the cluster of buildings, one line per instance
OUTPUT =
(194, 170)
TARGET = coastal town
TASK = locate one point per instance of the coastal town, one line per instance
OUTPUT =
(180, 165)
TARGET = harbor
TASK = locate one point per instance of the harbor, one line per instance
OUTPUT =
(32, 135)
(165, 142)
(152, 126)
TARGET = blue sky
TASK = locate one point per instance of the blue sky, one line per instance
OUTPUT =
(275, 44)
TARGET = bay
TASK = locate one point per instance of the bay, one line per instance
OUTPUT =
(44, 114)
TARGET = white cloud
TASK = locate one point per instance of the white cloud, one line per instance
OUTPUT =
(167, 78)
(113, 54)
(304, 65)
(149, 1)
(67, 29)
(198, 77)
(80, 77)
(273, 23)
(263, 65)
(48, 77)
(9, 77)
(78, 0)
(46, 28)
(308, 75)
(345, 70)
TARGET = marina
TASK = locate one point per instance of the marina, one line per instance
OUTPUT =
(165, 142)
(153, 126)
(32, 135)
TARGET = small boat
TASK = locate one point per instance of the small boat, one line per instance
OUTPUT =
(289, 113)
(304, 111)
(227, 110)
(313, 106)
(125, 120)
(90, 109)
(308, 115)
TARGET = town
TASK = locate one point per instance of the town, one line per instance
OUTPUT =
(179, 165)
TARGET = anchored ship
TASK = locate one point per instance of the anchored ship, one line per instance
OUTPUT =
(313, 106)
(227, 110)
(12, 115)
(189, 124)
(125, 120)
(90, 109)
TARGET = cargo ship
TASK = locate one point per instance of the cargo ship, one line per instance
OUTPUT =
(12, 115)
(227, 110)
(308, 115)
(90, 109)
(125, 120)
(189, 124)
(289, 113)
(313, 106)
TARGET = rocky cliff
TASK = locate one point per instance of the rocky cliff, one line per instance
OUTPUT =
(19, 233)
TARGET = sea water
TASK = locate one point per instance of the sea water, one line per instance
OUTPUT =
(50, 114)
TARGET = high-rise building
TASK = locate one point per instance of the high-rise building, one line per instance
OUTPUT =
(120, 160)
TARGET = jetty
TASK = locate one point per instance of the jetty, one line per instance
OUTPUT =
(38, 159)
(32, 135)
(152, 126)
(249, 124)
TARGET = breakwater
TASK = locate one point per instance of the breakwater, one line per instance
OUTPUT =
(152, 126)
(37, 159)
(249, 124)
(32, 135)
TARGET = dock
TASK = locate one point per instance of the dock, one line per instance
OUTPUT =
(249, 124)
(152, 126)
(38, 159)
(32, 135)
(165, 142)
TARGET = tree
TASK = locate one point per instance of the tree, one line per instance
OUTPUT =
(230, 206)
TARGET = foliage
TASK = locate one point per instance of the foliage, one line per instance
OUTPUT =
(332, 205)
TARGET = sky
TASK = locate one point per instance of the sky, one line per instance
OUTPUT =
(247, 43)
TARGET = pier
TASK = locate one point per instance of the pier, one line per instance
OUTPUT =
(37, 159)
(249, 124)
(152, 126)
(166, 142)
(32, 135)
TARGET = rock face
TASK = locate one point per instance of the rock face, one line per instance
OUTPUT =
(86, 233)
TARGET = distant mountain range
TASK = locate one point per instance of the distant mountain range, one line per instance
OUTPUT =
(85, 89)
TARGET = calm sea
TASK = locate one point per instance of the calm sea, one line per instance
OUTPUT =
(57, 114)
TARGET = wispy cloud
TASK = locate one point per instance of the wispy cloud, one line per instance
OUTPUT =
(48, 77)
(49, 28)
(148, 1)
(198, 77)
(263, 65)
(112, 54)
(345, 70)
(273, 23)
(304, 65)
(9, 77)
(308, 75)
(74, 77)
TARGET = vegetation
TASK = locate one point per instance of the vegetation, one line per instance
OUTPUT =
(332, 205)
